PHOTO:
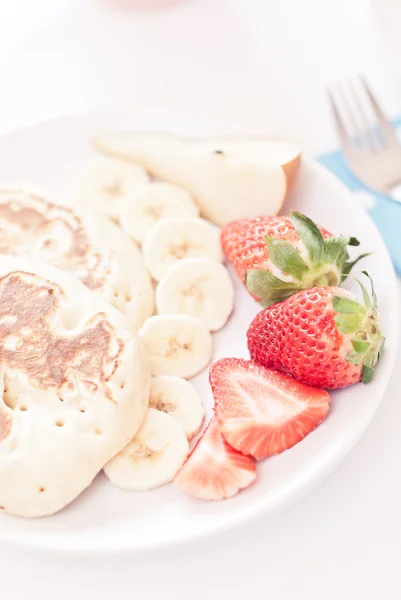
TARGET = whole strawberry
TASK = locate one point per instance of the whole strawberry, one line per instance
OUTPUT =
(321, 336)
(276, 257)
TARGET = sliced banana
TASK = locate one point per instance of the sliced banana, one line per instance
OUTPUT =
(106, 182)
(173, 239)
(177, 345)
(198, 287)
(152, 202)
(179, 399)
(153, 457)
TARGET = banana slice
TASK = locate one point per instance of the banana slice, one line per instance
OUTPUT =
(173, 239)
(198, 287)
(179, 399)
(153, 457)
(152, 202)
(177, 345)
(106, 182)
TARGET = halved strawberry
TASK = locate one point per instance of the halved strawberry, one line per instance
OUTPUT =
(263, 412)
(214, 470)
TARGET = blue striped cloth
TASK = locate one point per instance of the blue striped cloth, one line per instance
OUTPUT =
(385, 212)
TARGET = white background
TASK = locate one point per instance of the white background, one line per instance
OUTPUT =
(263, 63)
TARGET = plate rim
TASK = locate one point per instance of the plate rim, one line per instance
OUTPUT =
(73, 544)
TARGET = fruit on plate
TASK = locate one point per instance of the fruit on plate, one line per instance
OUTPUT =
(85, 244)
(199, 287)
(153, 457)
(105, 182)
(172, 239)
(74, 386)
(177, 345)
(179, 399)
(229, 177)
(322, 336)
(141, 210)
(278, 256)
(214, 470)
(262, 412)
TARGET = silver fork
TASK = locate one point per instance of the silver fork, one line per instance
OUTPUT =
(370, 145)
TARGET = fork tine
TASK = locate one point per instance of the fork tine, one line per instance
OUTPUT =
(386, 129)
(371, 138)
(340, 124)
(345, 94)
(349, 108)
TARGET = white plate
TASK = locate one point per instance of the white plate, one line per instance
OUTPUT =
(105, 519)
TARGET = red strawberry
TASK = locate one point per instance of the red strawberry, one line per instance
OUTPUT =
(320, 336)
(214, 470)
(263, 412)
(278, 256)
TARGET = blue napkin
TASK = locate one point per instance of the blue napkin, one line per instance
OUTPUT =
(385, 213)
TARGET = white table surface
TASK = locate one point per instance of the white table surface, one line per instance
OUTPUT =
(263, 63)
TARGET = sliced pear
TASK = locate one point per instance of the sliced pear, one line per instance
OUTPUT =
(230, 178)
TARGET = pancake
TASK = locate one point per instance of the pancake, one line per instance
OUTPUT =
(87, 245)
(74, 386)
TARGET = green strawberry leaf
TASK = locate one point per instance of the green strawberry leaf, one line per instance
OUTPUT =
(360, 346)
(268, 287)
(347, 305)
(366, 297)
(348, 265)
(286, 258)
(334, 250)
(367, 374)
(310, 234)
(353, 241)
(271, 301)
(348, 323)
(374, 296)
(368, 342)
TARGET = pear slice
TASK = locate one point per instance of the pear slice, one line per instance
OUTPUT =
(230, 178)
